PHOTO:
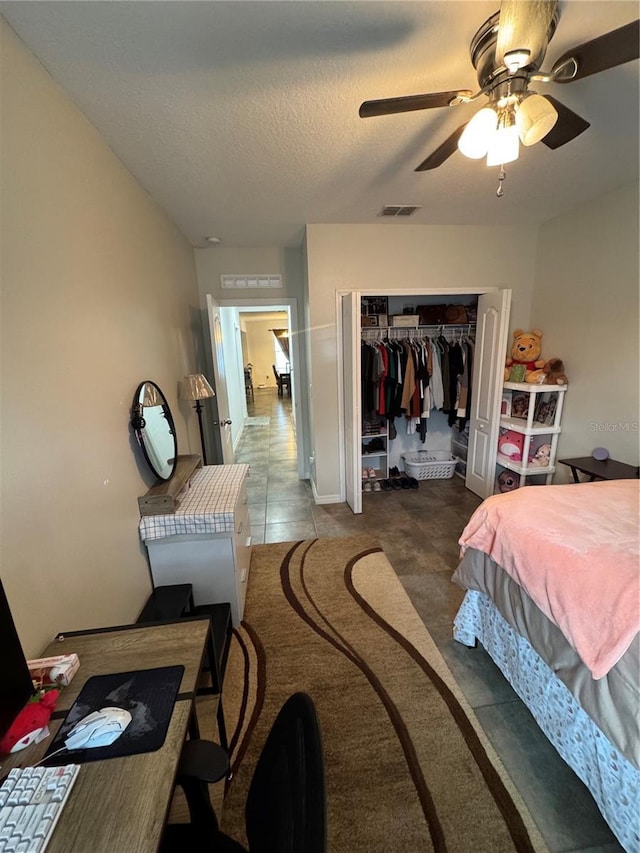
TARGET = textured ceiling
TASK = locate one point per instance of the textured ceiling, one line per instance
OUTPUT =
(241, 118)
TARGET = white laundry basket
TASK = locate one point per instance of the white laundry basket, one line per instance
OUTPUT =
(430, 464)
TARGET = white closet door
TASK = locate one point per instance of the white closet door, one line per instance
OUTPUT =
(352, 403)
(488, 375)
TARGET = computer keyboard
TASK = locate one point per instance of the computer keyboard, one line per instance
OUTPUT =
(31, 801)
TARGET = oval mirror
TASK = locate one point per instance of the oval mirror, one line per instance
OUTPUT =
(153, 425)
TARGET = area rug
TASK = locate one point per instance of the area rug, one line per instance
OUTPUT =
(408, 767)
(258, 421)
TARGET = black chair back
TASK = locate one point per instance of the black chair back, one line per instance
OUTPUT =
(286, 804)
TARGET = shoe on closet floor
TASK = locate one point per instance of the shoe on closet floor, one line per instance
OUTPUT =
(377, 487)
(367, 486)
(413, 483)
(386, 486)
(393, 472)
(395, 483)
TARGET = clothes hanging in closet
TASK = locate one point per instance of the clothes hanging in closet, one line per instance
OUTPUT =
(412, 376)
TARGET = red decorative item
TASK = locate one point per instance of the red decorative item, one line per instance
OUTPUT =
(29, 723)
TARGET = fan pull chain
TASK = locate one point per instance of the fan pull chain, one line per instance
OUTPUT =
(501, 178)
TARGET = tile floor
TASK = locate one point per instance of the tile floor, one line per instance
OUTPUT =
(418, 531)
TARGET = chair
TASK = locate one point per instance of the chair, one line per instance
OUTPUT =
(285, 810)
(283, 380)
(248, 383)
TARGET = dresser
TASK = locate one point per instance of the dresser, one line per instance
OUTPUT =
(206, 541)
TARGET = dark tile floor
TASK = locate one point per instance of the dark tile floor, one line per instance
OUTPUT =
(418, 531)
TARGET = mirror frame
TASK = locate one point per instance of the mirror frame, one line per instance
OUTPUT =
(138, 424)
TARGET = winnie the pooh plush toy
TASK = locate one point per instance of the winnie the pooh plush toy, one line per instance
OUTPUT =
(526, 351)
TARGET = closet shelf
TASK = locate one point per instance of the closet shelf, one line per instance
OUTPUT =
(374, 332)
(380, 453)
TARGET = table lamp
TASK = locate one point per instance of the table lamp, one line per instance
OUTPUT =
(195, 387)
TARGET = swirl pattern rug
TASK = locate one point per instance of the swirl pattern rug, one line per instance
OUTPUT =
(407, 765)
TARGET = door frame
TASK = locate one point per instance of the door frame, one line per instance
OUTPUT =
(291, 304)
(410, 291)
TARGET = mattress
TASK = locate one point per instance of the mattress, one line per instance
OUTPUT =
(612, 702)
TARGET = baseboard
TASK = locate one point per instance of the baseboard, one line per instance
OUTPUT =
(324, 499)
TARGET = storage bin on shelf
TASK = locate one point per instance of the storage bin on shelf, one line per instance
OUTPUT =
(430, 464)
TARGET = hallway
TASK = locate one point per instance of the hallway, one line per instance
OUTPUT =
(279, 503)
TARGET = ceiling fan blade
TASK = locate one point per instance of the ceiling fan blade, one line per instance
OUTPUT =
(408, 103)
(524, 25)
(599, 54)
(443, 152)
(568, 126)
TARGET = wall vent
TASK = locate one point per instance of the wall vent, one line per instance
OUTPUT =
(242, 282)
(399, 209)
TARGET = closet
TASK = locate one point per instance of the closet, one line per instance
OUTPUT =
(376, 442)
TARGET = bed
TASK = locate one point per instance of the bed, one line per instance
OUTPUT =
(552, 584)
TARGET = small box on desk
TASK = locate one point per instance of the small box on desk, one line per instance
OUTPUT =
(59, 669)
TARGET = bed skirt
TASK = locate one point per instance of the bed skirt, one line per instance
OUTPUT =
(612, 780)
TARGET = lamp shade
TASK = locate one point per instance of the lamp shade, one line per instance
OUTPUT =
(504, 144)
(196, 387)
(474, 142)
(535, 118)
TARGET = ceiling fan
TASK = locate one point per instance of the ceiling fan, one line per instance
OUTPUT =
(507, 52)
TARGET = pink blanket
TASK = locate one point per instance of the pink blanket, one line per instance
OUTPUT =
(574, 550)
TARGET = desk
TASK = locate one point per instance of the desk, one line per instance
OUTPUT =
(123, 803)
(607, 469)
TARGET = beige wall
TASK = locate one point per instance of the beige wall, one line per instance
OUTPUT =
(98, 293)
(586, 302)
(214, 262)
(394, 259)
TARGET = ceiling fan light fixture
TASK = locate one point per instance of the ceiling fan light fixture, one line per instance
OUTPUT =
(534, 118)
(474, 142)
(504, 144)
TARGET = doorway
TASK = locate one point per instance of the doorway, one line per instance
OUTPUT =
(259, 337)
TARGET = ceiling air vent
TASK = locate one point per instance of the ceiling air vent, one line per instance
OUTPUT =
(399, 209)
(241, 282)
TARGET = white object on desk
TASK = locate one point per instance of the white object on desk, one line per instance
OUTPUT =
(207, 541)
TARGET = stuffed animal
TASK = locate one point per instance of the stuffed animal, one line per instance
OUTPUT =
(508, 481)
(511, 444)
(542, 457)
(526, 351)
(553, 373)
(31, 723)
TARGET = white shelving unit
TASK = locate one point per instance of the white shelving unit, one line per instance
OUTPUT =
(533, 430)
(376, 459)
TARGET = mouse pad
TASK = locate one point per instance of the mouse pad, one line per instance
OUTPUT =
(149, 696)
